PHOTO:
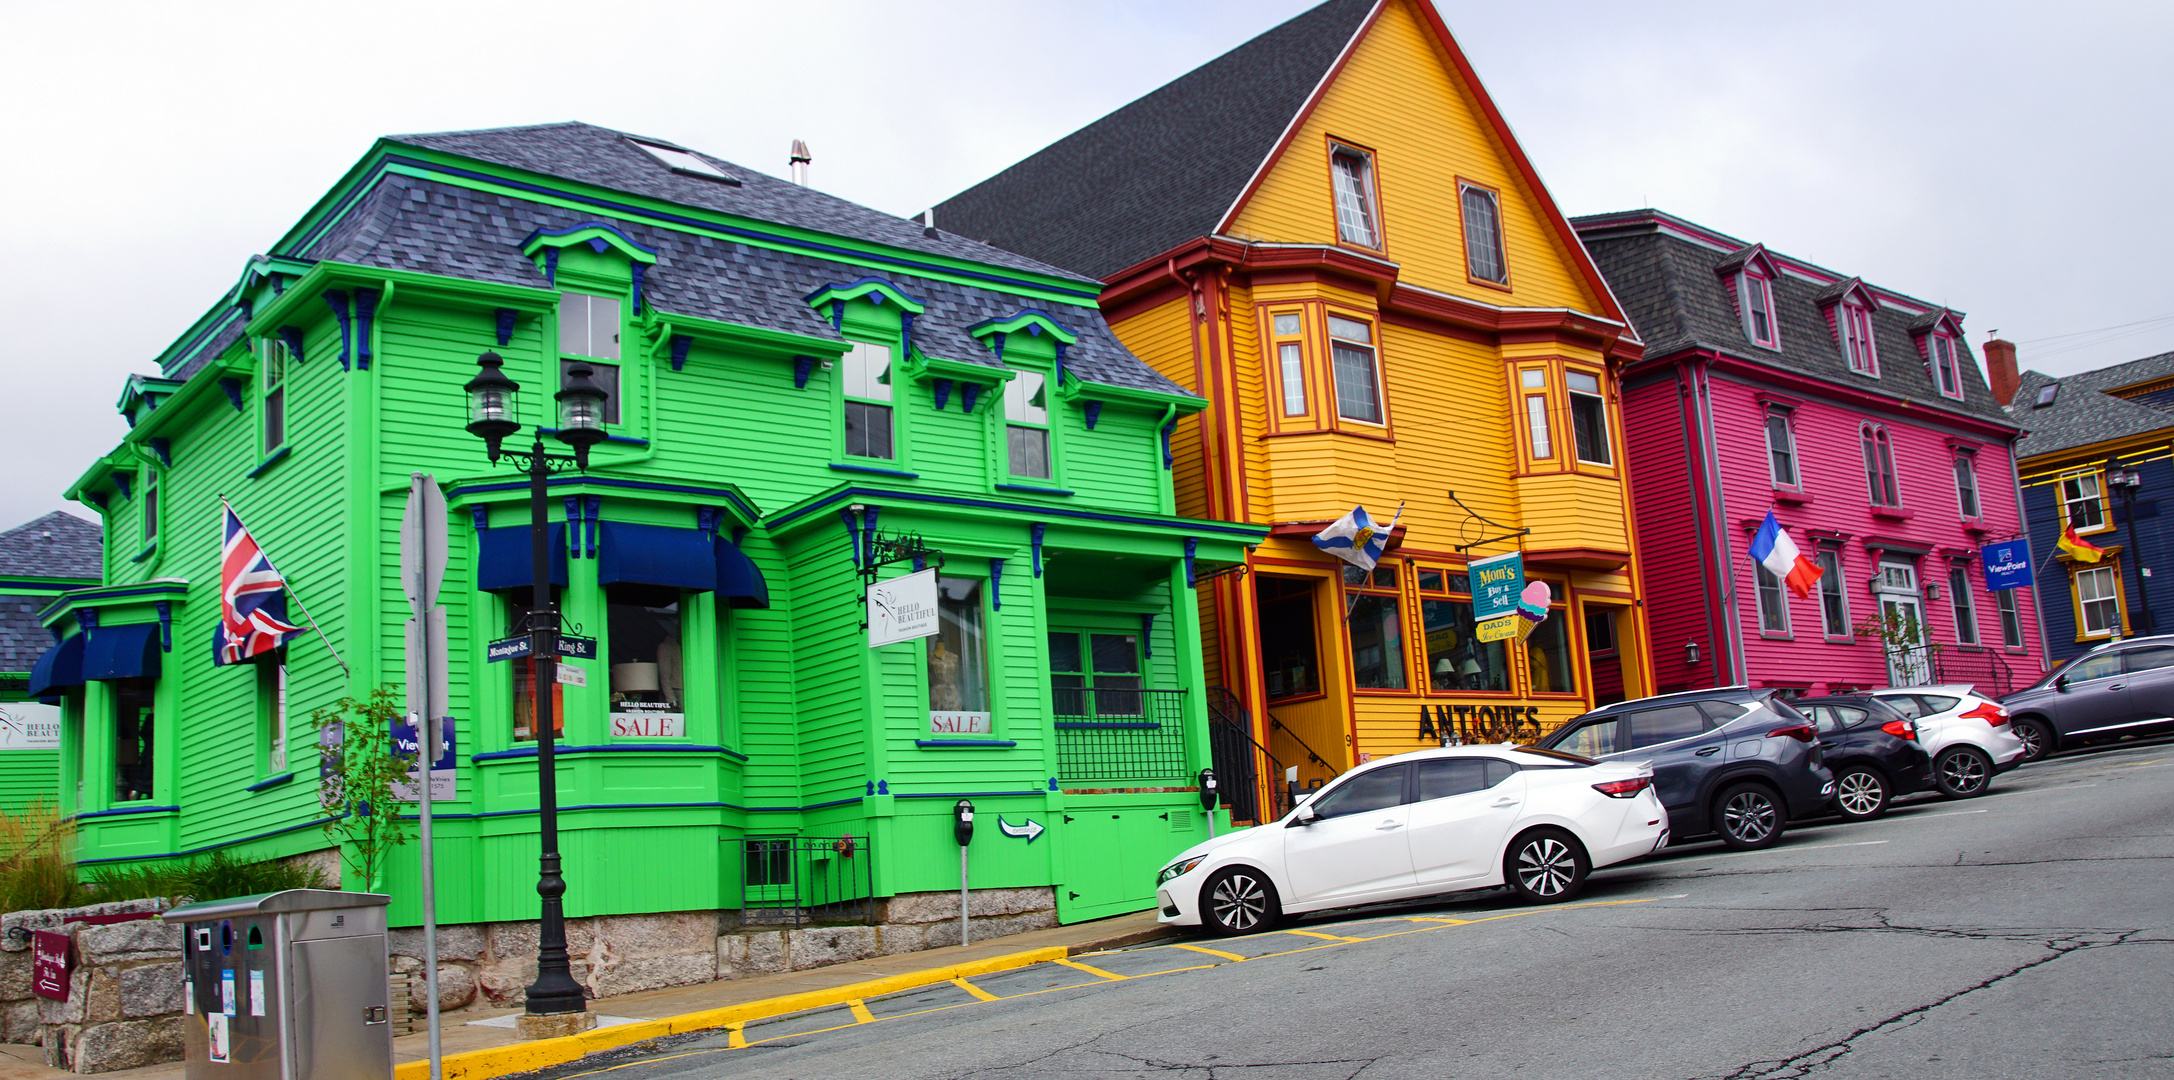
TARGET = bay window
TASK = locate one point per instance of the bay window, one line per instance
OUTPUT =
(648, 665)
(1536, 412)
(1588, 417)
(1291, 361)
(1358, 386)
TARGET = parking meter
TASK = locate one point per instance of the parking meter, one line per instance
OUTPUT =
(962, 830)
(1208, 798)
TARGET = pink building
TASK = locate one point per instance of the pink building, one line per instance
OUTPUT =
(1856, 414)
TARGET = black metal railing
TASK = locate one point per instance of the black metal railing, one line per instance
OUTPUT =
(1110, 735)
(795, 880)
(1987, 670)
(1241, 761)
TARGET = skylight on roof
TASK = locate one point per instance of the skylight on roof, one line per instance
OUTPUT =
(682, 161)
(2046, 394)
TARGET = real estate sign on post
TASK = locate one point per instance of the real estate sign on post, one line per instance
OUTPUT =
(1497, 583)
(902, 609)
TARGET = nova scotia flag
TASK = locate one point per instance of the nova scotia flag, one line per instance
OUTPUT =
(1355, 538)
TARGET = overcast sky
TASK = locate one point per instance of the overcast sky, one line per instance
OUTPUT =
(2008, 159)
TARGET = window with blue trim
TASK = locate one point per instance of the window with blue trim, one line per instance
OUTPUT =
(866, 377)
(150, 505)
(589, 330)
(1026, 426)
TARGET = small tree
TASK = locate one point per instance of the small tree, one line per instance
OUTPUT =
(361, 764)
(1902, 635)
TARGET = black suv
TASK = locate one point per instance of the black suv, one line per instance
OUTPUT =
(1732, 762)
(1871, 749)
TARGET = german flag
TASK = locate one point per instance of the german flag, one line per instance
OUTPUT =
(2078, 548)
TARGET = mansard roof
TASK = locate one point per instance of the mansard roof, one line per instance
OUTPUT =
(441, 223)
(1167, 167)
(1670, 276)
(2085, 410)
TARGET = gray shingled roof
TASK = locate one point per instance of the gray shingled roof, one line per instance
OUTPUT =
(434, 227)
(58, 545)
(22, 638)
(2083, 412)
(1163, 169)
(1676, 298)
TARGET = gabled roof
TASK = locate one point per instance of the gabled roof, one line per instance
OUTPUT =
(58, 545)
(1670, 276)
(1167, 167)
(2083, 412)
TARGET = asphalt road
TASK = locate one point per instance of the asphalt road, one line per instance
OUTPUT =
(2026, 934)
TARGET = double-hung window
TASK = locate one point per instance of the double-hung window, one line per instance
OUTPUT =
(2011, 619)
(958, 661)
(589, 329)
(2098, 601)
(272, 379)
(1534, 383)
(1855, 323)
(1773, 603)
(1357, 221)
(150, 505)
(1966, 607)
(1755, 298)
(1880, 466)
(1095, 675)
(867, 385)
(1947, 372)
(1291, 361)
(1026, 426)
(1588, 417)
(1966, 487)
(1833, 597)
(1358, 382)
(1781, 450)
(1483, 234)
(2081, 500)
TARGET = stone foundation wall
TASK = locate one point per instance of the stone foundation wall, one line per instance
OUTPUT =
(124, 998)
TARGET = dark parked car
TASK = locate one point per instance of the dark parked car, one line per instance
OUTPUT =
(1871, 749)
(1732, 762)
(2120, 688)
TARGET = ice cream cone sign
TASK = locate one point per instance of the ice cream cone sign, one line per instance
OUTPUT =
(1532, 608)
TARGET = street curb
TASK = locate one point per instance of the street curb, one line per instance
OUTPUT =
(523, 1057)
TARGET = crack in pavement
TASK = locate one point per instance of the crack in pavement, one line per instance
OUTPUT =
(1821, 1057)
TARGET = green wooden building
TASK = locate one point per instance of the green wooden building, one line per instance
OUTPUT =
(798, 383)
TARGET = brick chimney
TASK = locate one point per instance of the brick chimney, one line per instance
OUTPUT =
(2000, 369)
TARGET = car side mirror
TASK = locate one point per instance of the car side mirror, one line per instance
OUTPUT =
(1305, 815)
(2060, 682)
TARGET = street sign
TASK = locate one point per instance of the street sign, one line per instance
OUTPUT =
(422, 543)
(576, 648)
(426, 657)
(902, 609)
(512, 648)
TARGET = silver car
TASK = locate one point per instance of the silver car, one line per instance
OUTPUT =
(2118, 689)
(1968, 736)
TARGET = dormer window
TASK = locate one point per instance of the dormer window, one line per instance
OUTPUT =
(1946, 370)
(682, 162)
(1755, 298)
(589, 329)
(1853, 323)
(867, 383)
(1356, 217)
(1026, 426)
(1483, 235)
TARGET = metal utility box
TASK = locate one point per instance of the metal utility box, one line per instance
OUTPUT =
(286, 986)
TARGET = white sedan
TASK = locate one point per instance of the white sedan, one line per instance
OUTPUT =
(1431, 821)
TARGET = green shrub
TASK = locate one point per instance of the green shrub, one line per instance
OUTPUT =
(37, 859)
(217, 876)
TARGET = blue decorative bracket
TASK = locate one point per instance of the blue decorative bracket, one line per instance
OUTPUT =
(292, 335)
(639, 268)
(1036, 531)
(803, 366)
(120, 480)
(573, 526)
(967, 393)
(1147, 634)
(852, 535)
(166, 625)
(680, 344)
(337, 301)
(1166, 429)
(1061, 347)
(1094, 413)
(233, 388)
(596, 514)
(942, 390)
(87, 618)
(837, 315)
(506, 317)
(1192, 546)
(997, 340)
(365, 314)
(482, 516)
(905, 333)
(996, 579)
(705, 519)
(551, 267)
(164, 449)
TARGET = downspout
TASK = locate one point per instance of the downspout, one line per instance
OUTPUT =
(1687, 418)
(1732, 622)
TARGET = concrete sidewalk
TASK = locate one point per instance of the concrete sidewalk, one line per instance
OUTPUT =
(476, 1051)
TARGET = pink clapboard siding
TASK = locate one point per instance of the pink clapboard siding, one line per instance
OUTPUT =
(1831, 466)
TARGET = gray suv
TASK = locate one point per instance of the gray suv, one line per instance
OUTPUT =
(2120, 688)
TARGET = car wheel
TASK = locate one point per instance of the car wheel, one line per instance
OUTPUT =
(1860, 794)
(2037, 739)
(1546, 866)
(1238, 900)
(1750, 817)
(1963, 772)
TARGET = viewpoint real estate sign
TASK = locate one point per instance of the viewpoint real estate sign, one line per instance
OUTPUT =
(2007, 564)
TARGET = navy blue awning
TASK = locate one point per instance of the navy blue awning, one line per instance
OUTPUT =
(655, 555)
(738, 579)
(122, 652)
(504, 561)
(59, 668)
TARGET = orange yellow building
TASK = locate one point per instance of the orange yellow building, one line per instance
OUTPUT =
(1330, 233)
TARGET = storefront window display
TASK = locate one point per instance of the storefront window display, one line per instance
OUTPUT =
(648, 671)
(1547, 655)
(1377, 629)
(958, 661)
(133, 743)
(1456, 659)
(523, 674)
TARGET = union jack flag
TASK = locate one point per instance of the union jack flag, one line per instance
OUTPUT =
(252, 598)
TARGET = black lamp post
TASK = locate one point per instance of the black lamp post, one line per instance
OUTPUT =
(492, 407)
(2128, 481)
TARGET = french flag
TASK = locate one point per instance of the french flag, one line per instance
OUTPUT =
(1775, 551)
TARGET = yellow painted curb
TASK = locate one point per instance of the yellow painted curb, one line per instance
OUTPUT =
(543, 1053)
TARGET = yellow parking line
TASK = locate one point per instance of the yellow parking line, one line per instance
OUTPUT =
(1209, 952)
(975, 990)
(1092, 970)
(1324, 937)
(1446, 922)
(861, 1015)
(737, 1030)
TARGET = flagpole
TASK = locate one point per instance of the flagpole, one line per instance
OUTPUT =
(1352, 603)
(267, 555)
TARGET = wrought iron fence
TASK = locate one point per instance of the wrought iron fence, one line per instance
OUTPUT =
(1106, 735)
(794, 880)
(1240, 761)
(1987, 670)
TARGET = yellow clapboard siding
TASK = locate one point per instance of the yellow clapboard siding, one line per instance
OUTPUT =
(1399, 97)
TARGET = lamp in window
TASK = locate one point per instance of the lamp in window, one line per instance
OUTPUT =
(581, 412)
(493, 402)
